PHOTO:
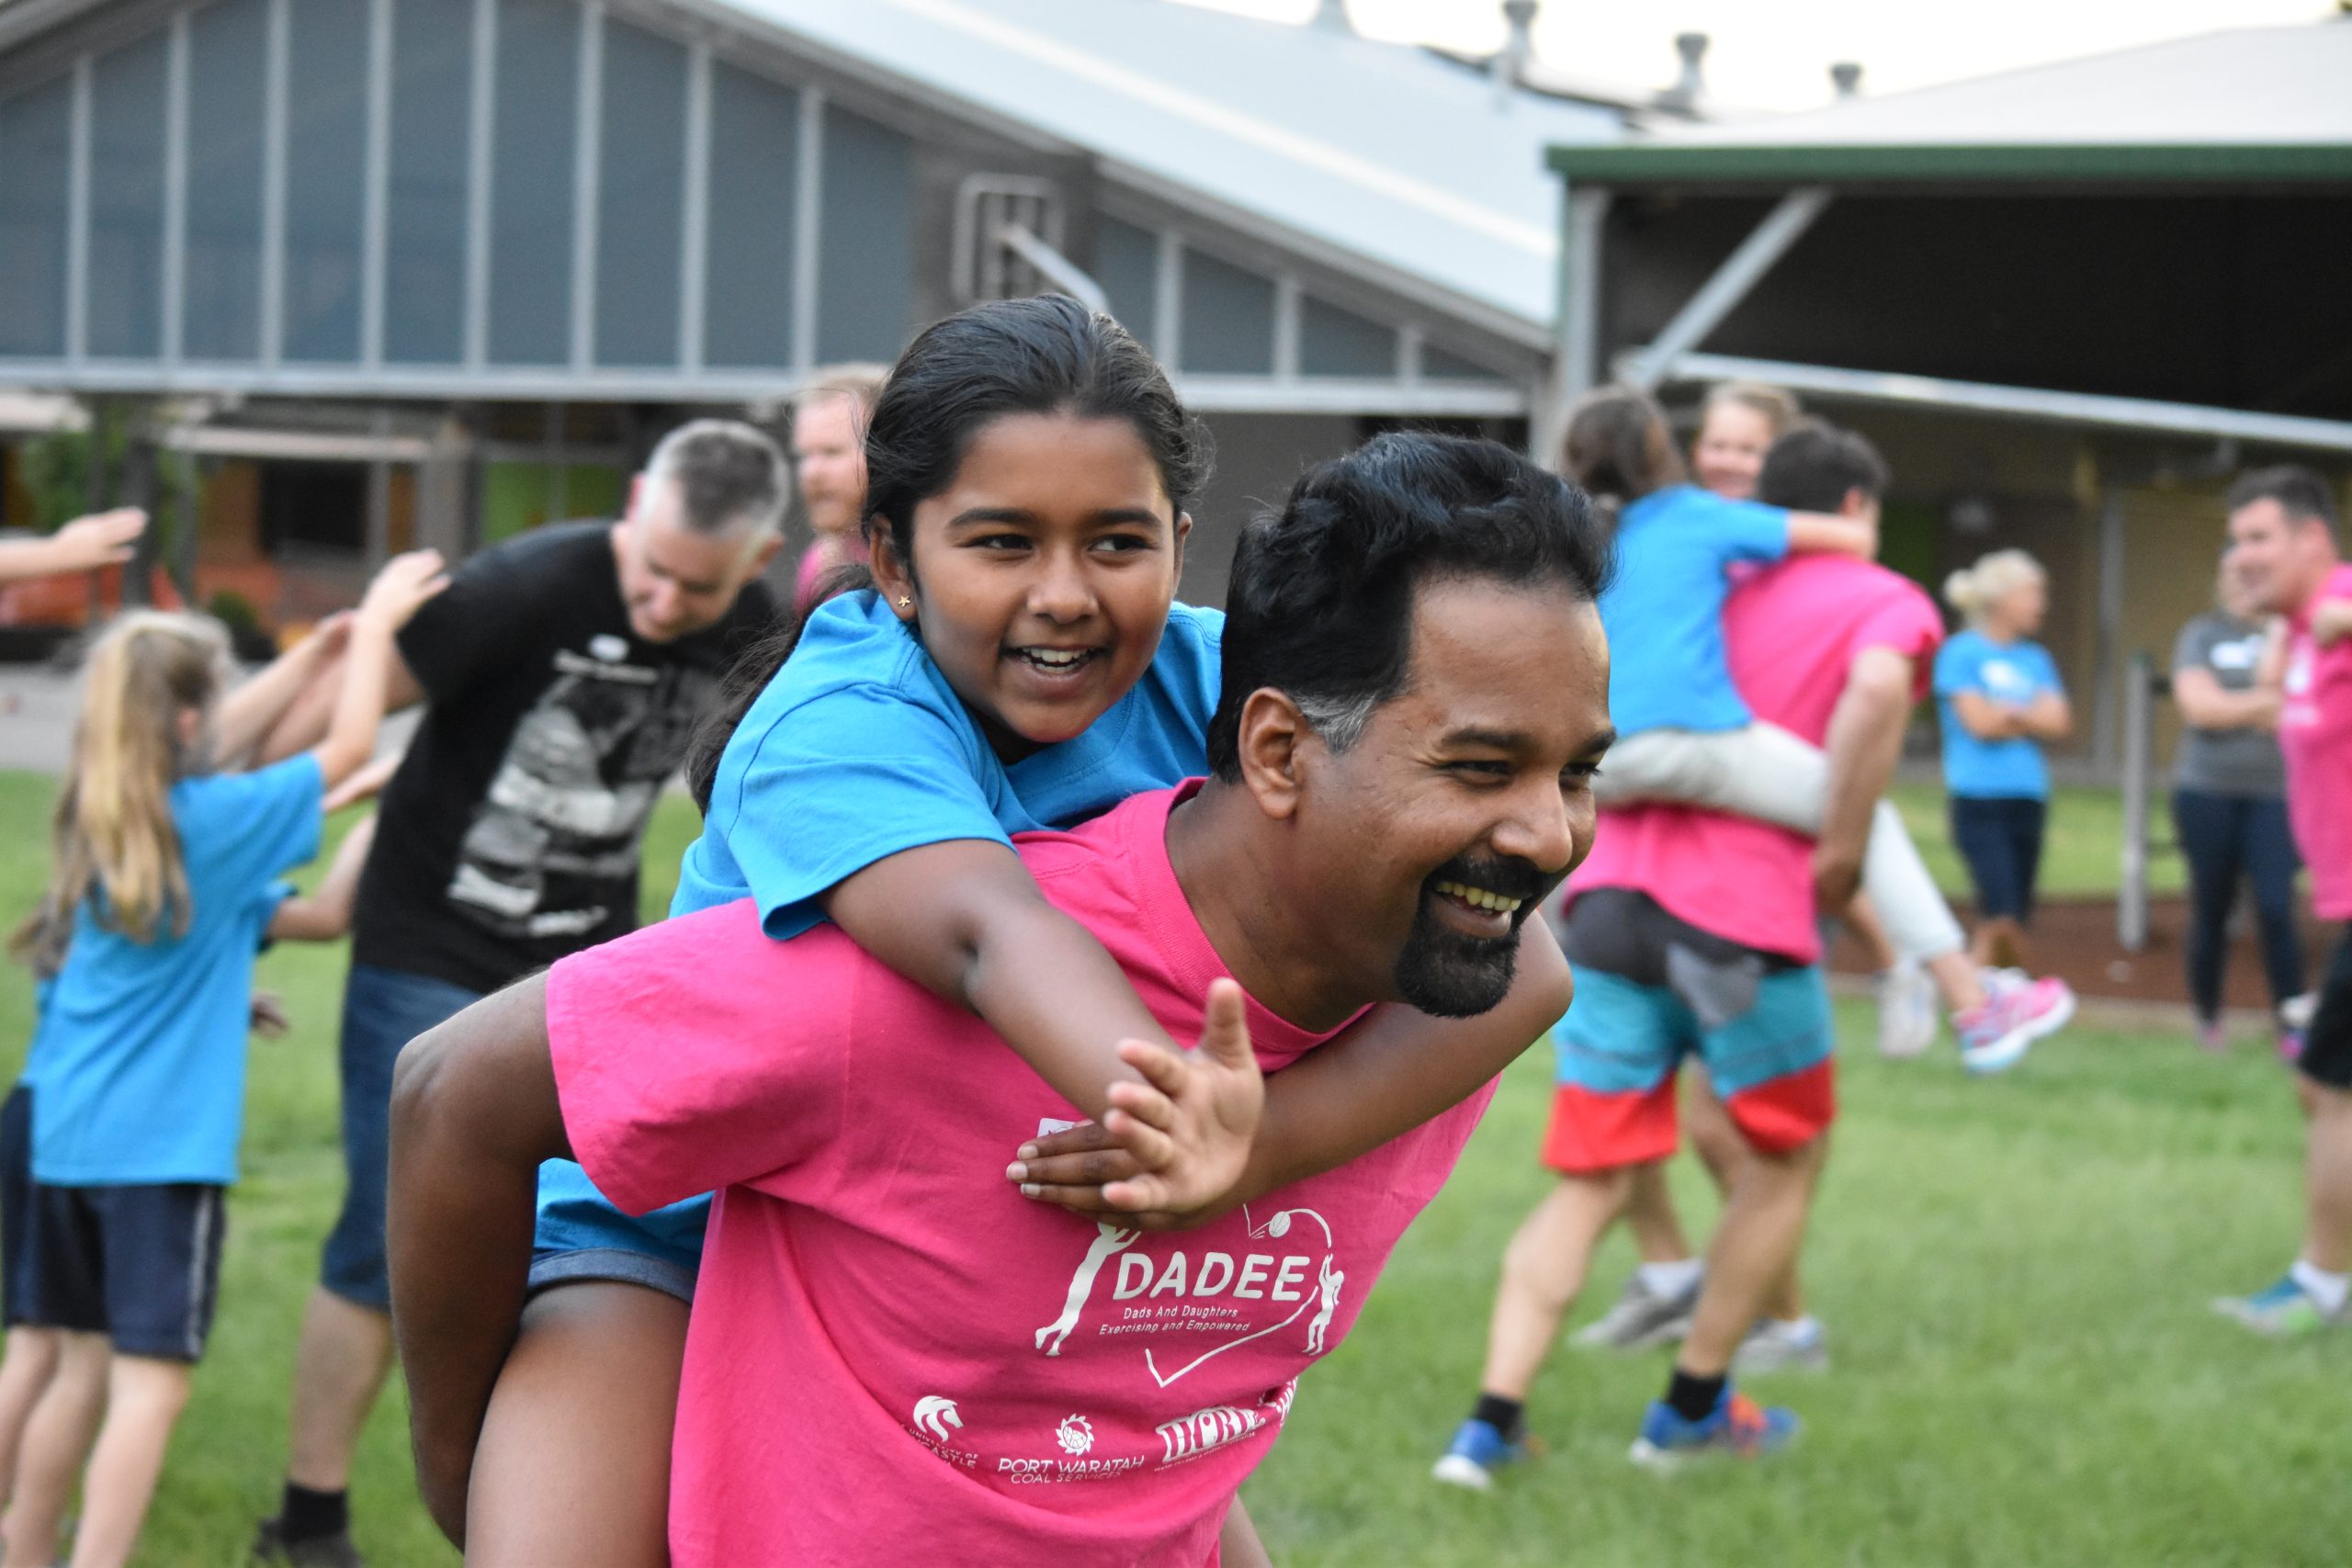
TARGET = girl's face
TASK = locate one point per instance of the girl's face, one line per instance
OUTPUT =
(1730, 450)
(2019, 611)
(1042, 575)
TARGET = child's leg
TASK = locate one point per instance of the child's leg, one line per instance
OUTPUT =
(25, 1372)
(1650, 1216)
(56, 1437)
(573, 1463)
(144, 1397)
(1237, 1545)
(1543, 1270)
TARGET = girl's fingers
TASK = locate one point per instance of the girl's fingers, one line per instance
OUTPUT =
(1145, 1104)
(1151, 1147)
(1091, 1168)
(1162, 1068)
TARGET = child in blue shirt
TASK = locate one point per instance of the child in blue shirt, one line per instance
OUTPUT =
(164, 882)
(1021, 662)
(1999, 696)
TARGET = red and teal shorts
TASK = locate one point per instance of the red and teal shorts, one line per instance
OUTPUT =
(1619, 1046)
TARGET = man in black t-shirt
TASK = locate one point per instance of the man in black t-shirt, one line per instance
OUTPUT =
(563, 674)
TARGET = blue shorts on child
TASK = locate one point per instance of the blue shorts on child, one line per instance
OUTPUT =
(139, 1264)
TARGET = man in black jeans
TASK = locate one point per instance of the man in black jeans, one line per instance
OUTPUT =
(564, 673)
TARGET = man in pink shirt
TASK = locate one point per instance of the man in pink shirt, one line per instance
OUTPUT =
(893, 1356)
(2284, 548)
(1694, 932)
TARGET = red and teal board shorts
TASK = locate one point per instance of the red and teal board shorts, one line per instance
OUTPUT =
(1619, 1046)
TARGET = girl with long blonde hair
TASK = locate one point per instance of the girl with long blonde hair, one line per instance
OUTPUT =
(166, 881)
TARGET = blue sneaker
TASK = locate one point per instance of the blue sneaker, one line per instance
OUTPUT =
(2284, 1310)
(1478, 1452)
(1738, 1426)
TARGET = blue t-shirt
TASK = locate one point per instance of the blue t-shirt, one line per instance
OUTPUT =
(140, 1050)
(858, 750)
(1664, 610)
(2012, 674)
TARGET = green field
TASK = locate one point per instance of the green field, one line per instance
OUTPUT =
(2081, 857)
(2014, 1274)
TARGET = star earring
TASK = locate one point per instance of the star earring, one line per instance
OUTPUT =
(905, 603)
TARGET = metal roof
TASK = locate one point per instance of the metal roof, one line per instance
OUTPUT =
(1383, 152)
(2254, 103)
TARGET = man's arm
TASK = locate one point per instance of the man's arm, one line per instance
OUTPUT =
(474, 1111)
(2207, 704)
(2331, 622)
(1864, 740)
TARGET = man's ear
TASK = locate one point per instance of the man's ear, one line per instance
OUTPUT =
(1273, 735)
(636, 494)
(763, 554)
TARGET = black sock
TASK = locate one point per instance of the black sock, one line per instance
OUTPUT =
(1693, 1398)
(308, 1514)
(1505, 1415)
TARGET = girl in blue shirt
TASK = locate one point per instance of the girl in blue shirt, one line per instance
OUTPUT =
(163, 883)
(1020, 662)
(2000, 698)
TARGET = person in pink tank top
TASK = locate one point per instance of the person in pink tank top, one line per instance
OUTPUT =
(2285, 551)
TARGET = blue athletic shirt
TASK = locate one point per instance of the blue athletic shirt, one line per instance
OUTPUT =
(140, 1050)
(1664, 609)
(2011, 674)
(858, 750)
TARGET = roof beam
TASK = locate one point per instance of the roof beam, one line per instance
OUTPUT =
(1732, 283)
(2023, 402)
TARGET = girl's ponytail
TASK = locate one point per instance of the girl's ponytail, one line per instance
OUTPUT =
(112, 839)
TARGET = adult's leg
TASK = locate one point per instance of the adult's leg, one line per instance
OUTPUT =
(56, 1438)
(573, 1463)
(2029, 821)
(347, 1344)
(1755, 1247)
(2327, 1180)
(1650, 1216)
(1543, 1270)
(1726, 1156)
(2271, 863)
(1976, 833)
(144, 1398)
(2209, 842)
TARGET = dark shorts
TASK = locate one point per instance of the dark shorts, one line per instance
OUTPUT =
(16, 1199)
(617, 1265)
(2327, 1044)
(2000, 838)
(141, 1265)
(383, 1009)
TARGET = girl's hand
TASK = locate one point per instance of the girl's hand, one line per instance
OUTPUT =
(269, 1020)
(103, 538)
(1172, 1149)
(328, 639)
(404, 584)
(364, 784)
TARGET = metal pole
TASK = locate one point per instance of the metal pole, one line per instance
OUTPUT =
(2131, 900)
(2109, 646)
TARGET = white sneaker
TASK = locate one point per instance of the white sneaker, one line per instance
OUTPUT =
(1773, 1346)
(1906, 1008)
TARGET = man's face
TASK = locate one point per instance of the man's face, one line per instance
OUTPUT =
(830, 463)
(1468, 797)
(2277, 560)
(675, 581)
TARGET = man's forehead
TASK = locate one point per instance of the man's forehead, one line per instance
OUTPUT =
(1499, 656)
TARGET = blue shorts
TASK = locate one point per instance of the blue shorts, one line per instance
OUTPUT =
(581, 1236)
(383, 1009)
(1619, 1046)
(2000, 838)
(141, 1265)
(15, 1198)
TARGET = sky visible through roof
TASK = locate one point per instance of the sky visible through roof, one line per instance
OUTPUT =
(1777, 55)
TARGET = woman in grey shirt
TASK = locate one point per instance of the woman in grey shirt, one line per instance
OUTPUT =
(2229, 805)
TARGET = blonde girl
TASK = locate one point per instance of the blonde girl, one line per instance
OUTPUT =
(163, 883)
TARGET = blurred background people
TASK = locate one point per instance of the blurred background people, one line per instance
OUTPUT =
(2229, 805)
(829, 470)
(2000, 699)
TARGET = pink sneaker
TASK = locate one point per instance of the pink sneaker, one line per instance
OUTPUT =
(2212, 1037)
(2017, 1012)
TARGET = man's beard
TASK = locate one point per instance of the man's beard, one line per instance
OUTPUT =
(1448, 974)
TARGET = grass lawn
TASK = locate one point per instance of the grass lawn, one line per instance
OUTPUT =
(2014, 1274)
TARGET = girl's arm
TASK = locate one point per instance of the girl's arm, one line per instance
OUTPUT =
(2207, 704)
(965, 920)
(324, 914)
(2049, 716)
(103, 538)
(1822, 533)
(1986, 719)
(406, 583)
(250, 711)
(1389, 1074)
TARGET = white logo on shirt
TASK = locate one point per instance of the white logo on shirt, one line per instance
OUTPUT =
(1110, 1239)
(608, 648)
(936, 1414)
(1076, 1435)
(2002, 676)
(2244, 653)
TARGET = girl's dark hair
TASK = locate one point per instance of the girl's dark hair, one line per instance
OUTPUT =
(1048, 355)
(1618, 447)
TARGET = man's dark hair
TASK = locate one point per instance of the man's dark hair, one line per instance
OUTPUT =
(728, 474)
(1812, 467)
(2301, 493)
(1321, 605)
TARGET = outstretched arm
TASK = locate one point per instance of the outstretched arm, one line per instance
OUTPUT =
(248, 712)
(474, 1111)
(1823, 533)
(324, 914)
(103, 538)
(965, 920)
(1390, 1073)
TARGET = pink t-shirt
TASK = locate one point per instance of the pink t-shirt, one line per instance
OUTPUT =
(2315, 735)
(894, 1356)
(1792, 632)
